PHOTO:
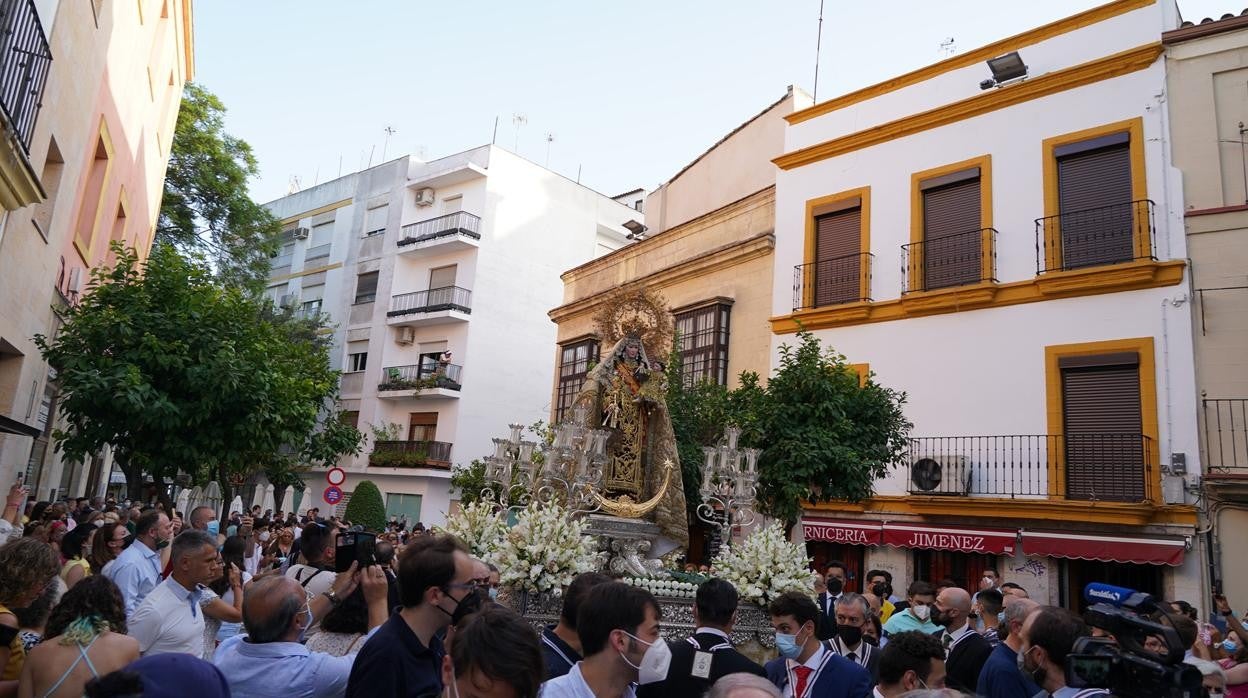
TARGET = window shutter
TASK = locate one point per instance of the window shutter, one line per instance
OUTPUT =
(952, 243)
(1103, 425)
(838, 242)
(1094, 200)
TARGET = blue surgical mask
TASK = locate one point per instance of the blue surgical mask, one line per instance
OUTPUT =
(213, 527)
(1001, 617)
(788, 646)
(493, 593)
(1229, 645)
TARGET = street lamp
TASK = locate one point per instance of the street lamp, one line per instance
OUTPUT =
(729, 483)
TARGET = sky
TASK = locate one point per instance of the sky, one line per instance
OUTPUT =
(630, 92)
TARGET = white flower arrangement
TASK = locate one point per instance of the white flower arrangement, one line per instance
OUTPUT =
(481, 528)
(765, 565)
(664, 587)
(545, 549)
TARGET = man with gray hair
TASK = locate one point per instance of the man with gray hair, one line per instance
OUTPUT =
(852, 614)
(271, 660)
(170, 618)
(1000, 675)
(743, 685)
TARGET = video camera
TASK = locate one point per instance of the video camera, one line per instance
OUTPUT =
(355, 546)
(1120, 662)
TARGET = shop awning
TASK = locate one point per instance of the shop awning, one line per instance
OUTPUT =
(12, 426)
(1082, 546)
(841, 531)
(993, 541)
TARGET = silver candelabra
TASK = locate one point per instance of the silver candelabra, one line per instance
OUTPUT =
(729, 483)
(567, 471)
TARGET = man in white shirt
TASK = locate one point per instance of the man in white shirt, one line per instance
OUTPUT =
(170, 618)
(619, 629)
(136, 571)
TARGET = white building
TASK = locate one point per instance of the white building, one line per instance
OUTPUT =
(1011, 256)
(437, 277)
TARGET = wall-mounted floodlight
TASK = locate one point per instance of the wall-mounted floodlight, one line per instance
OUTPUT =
(1004, 69)
(636, 230)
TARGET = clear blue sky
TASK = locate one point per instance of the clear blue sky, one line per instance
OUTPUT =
(632, 91)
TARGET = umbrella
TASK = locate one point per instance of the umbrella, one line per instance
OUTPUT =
(184, 499)
(288, 500)
(236, 505)
(212, 496)
(267, 504)
(258, 500)
(193, 500)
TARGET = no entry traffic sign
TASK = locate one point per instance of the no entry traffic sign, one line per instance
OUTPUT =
(336, 476)
(333, 494)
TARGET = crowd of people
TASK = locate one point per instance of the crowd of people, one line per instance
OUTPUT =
(105, 600)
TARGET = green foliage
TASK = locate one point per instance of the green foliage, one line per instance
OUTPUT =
(399, 459)
(205, 209)
(366, 507)
(469, 480)
(390, 431)
(179, 372)
(827, 437)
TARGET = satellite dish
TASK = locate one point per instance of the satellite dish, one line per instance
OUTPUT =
(926, 474)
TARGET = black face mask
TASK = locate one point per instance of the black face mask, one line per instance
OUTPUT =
(940, 617)
(851, 635)
(125, 543)
(882, 590)
(835, 586)
(870, 640)
(469, 604)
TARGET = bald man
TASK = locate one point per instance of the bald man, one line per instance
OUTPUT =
(965, 650)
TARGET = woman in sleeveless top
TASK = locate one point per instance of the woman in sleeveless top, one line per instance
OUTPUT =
(26, 568)
(74, 549)
(86, 639)
(343, 628)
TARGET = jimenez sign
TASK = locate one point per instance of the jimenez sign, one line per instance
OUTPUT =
(994, 542)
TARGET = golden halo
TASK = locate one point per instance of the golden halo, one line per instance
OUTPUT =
(638, 312)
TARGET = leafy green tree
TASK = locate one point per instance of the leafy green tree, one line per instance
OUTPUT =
(827, 437)
(181, 373)
(366, 507)
(206, 209)
(469, 480)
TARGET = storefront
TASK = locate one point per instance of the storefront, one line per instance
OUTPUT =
(1128, 561)
(830, 540)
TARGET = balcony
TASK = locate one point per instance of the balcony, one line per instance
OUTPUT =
(1226, 438)
(949, 261)
(1081, 467)
(437, 306)
(835, 281)
(25, 61)
(429, 380)
(449, 233)
(1096, 237)
(411, 454)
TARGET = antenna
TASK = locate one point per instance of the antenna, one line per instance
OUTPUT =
(293, 185)
(519, 120)
(389, 132)
(550, 138)
(948, 47)
(814, 97)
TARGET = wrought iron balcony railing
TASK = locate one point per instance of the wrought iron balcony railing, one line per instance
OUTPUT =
(422, 376)
(411, 454)
(1226, 436)
(432, 301)
(1115, 234)
(1106, 467)
(25, 61)
(834, 281)
(458, 223)
(949, 260)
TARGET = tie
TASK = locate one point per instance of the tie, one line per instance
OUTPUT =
(946, 641)
(852, 657)
(803, 675)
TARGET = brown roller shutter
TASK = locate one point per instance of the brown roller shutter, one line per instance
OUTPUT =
(1094, 199)
(838, 264)
(1105, 453)
(952, 247)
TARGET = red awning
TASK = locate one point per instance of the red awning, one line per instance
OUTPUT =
(994, 541)
(1081, 546)
(838, 531)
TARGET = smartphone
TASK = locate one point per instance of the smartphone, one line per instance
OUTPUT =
(21, 478)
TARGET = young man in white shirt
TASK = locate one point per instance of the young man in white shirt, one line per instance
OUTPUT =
(170, 618)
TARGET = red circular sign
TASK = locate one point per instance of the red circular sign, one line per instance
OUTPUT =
(333, 494)
(335, 476)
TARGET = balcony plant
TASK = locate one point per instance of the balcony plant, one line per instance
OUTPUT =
(417, 457)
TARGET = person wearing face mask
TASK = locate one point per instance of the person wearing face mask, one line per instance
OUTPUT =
(912, 661)
(853, 615)
(1047, 638)
(708, 654)
(619, 629)
(987, 610)
(1001, 675)
(271, 660)
(806, 668)
(917, 614)
(827, 591)
(493, 653)
(436, 589)
(136, 571)
(561, 644)
(965, 650)
(204, 518)
(170, 618)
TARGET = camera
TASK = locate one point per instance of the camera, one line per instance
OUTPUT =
(355, 546)
(1120, 662)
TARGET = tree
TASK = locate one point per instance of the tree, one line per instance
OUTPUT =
(827, 436)
(366, 507)
(180, 372)
(206, 209)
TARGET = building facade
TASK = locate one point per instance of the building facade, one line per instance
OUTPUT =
(436, 277)
(1007, 247)
(89, 96)
(1205, 78)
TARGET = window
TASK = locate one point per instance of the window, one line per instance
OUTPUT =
(53, 171)
(401, 505)
(350, 418)
(452, 204)
(837, 268)
(93, 196)
(1096, 200)
(442, 277)
(638, 205)
(321, 240)
(375, 220)
(357, 362)
(574, 364)
(703, 334)
(366, 287)
(310, 309)
(950, 236)
(422, 426)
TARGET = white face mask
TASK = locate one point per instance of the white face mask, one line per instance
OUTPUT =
(264, 536)
(921, 611)
(654, 663)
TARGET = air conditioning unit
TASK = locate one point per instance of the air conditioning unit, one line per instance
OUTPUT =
(289, 300)
(941, 474)
(406, 335)
(424, 197)
(300, 233)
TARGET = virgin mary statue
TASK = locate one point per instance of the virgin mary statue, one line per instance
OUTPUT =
(626, 394)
